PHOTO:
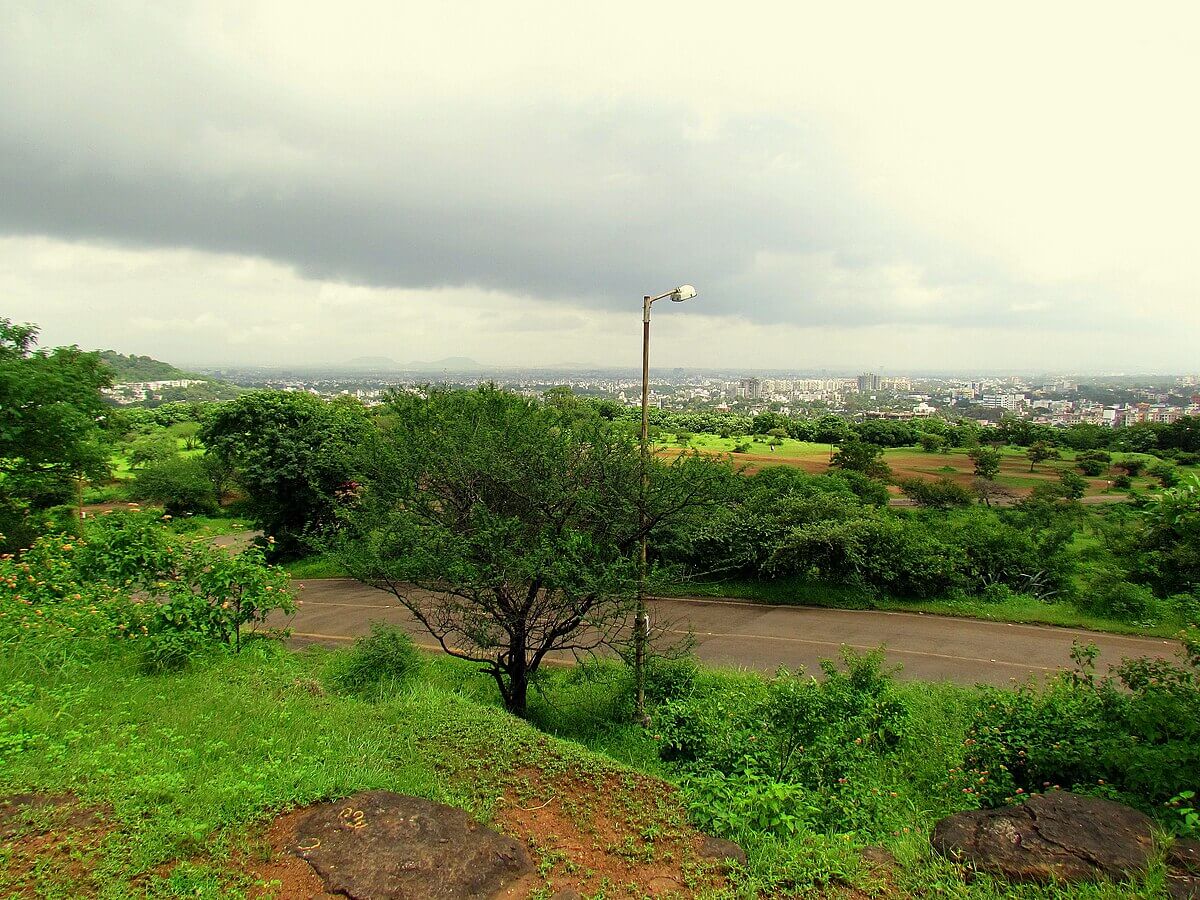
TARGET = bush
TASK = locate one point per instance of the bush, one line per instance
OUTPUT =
(802, 730)
(1132, 466)
(1167, 474)
(376, 664)
(1123, 481)
(151, 448)
(181, 485)
(941, 494)
(1134, 736)
(1109, 595)
(670, 679)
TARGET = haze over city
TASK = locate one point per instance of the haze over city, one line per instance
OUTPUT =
(918, 187)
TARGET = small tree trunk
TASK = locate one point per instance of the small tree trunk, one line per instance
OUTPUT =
(517, 701)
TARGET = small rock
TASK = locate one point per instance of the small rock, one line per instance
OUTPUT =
(1058, 836)
(378, 845)
(880, 858)
(719, 848)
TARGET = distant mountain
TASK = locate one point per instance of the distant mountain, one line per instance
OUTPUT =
(373, 362)
(140, 368)
(450, 363)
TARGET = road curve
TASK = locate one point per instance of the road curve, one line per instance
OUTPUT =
(734, 633)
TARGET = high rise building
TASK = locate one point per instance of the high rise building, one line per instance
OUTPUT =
(868, 382)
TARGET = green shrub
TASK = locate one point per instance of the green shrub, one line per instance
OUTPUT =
(376, 664)
(670, 679)
(1134, 736)
(942, 494)
(1109, 595)
(181, 484)
(1167, 474)
(800, 730)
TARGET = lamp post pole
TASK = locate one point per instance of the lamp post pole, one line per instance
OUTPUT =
(641, 622)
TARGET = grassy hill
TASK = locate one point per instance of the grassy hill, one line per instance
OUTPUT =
(140, 368)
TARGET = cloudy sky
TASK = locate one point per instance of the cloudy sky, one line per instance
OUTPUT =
(901, 186)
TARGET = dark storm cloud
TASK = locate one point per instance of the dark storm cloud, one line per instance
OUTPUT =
(151, 143)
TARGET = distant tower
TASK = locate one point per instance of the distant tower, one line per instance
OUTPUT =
(868, 382)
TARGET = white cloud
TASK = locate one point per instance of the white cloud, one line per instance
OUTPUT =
(870, 180)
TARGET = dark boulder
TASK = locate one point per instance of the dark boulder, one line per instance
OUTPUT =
(1057, 836)
(383, 846)
(721, 849)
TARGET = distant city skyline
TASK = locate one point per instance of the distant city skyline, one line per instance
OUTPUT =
(870, 187)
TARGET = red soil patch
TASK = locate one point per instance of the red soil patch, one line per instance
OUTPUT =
(622, 835)
(283, 875)
(625, 835)
(49, 843)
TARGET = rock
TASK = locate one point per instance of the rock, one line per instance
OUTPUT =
(719, 848)
(379, 845)
(880, 858)
(1057, 836)
(1184, 856)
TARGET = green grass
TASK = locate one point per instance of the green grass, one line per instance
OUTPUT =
(189, 767)
(1021, 610)
(212, 526)
(320, 565)
(758, 445)
(189, 763)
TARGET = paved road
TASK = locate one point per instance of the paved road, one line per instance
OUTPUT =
(732, 633)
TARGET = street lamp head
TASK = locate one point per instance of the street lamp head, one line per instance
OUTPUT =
(683, 292)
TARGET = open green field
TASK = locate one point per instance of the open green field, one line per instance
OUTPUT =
(908, 462)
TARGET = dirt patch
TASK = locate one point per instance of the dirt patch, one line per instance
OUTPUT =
(49, 844)
(622, 836)
(282, 874)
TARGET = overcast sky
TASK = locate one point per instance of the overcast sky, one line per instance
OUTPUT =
(895, 186)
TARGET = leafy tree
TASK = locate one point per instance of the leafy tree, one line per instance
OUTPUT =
(941, 494)
(1093, 463)
(182, 486)
(188, 432)
(50, 410)
(1166, 473)
(1132, 466)
(859, 456)
(1071, 484)
(987, 462)
(931, 443)
(830, 429)
(152, 448)
(508, 533)
(291, 453)
(767, 421)
(1163, 549)
(1040, 451)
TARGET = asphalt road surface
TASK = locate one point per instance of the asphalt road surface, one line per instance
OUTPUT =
(732, 633)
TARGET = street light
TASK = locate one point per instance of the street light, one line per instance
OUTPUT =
(641, 622)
